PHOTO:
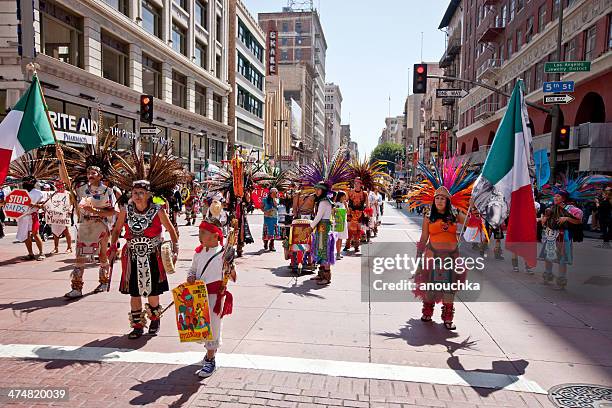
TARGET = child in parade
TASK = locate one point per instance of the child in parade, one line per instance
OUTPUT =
(341, 223)
(28, 224)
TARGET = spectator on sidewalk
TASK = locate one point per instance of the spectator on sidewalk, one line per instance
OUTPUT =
(28, 224)
(604, 215)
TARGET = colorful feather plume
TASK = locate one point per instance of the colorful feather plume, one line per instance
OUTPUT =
(454, 174)
(335, 174)
(282, 180)
(160, 168)
(254, 174)
(581, 189)
(40, 164)
(372, 174)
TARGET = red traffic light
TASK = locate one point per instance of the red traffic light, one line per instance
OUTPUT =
(564, 130)
(145, 100)
(420, 69)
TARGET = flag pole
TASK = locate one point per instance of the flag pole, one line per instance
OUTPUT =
(63, 170)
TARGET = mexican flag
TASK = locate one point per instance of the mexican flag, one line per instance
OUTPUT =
(504, 187)
(25, 128)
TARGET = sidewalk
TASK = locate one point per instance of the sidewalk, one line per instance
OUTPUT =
(534, 336)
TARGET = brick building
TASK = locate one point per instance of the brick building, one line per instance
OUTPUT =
(504, 40)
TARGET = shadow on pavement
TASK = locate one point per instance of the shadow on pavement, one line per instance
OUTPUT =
(303, 290)
(418, 334)
(512, 368)
(17, 259)
(22, 309)
(93, 352)
(181, 382)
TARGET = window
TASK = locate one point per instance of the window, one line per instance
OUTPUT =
(115, 60)
(217, 148)
(298, 27)
(504, 15)
(519, 39)
(250, 72)
(218, 66)
(179, 90)
(589, 43)
(512, 9)
(219, 29)
(509, 48)
(284, 55)
(527, 78)
(570, 50)
(298, 54)
(125, 129)
(151, 18)
(555, 9)
(200, 100)
(200, 55)
(61, 34)
(178, 39)
(120, 5)
(250, 41)
(249, 103)
(183, 4)
(185, 145)
(217, 108)
(284, 41)
(529, 32)
(285, 27)
(175, 138)
(539, 74)
(151, 76)
(541, 18)
(201, 13)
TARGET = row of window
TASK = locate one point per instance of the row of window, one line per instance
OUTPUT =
(248, 71)
(249, 102)
(249, 40)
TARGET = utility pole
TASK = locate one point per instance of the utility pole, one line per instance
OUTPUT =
(556, 109)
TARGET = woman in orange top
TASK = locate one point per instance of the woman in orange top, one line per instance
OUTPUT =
(438, 243)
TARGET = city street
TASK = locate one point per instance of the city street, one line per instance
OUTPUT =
(291, 343)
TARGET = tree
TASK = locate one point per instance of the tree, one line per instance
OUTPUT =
(390, 152)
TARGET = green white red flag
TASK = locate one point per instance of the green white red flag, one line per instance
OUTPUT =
(504, 188)
(25, 128)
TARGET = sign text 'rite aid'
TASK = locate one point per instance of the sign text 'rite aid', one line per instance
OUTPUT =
(559, 86)
(567, 66)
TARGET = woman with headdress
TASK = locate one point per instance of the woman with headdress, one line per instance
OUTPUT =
(270, 227)
(562, 223)
(444, 188)
(143, 271)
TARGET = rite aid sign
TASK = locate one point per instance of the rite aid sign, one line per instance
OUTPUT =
(67, 126)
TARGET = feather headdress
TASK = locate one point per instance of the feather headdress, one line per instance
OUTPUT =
(253, 174)
(282, 180)
(160, 169)
(581, 189)
(452, 175)
(372, 174)
(40, 164)
(334, 174)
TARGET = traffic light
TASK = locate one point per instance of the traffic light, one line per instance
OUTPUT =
(146, 109)
(563, 138)
(419, 79)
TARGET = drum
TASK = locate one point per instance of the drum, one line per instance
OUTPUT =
(300, 236)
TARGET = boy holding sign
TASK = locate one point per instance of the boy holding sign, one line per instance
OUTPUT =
(207, 266)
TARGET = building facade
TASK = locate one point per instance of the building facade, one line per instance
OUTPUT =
(511, 39)
(394, 130)
(278, 125)
(434, 136)
(300, 55)
(333, 116)
(97, 57)
(414, 123)
(249, 87)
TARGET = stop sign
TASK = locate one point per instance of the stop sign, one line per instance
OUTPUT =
(17, 203)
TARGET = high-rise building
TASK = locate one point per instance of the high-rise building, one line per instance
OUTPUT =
(300, 49)
(98, 57)
(394, 130)
(279, 125)
(434, 119)
(504, 40)
(413, 120)
(249, 43)
(333, 116)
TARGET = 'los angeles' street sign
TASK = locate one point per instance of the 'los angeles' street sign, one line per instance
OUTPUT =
(567, 66)
(560, 86)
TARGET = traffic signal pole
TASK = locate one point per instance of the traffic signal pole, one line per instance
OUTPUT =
(555, 112)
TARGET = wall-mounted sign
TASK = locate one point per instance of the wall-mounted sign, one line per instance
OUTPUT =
(272, 57)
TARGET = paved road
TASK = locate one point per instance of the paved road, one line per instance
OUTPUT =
(290, 342)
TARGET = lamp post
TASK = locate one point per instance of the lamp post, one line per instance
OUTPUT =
(280, 124)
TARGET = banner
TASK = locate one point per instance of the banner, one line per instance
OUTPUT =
(57, 210)
(192, 313)
(339, 219)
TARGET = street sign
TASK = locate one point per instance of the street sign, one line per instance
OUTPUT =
(567, 66)
(150, 130)
(17, 203)
(451, 93)
(558, 99)
(559, 86)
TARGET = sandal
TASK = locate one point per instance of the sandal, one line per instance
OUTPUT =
(449, 326)
(29, 257)
(41, 257)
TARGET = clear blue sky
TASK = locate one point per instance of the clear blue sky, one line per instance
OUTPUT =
(371, 46)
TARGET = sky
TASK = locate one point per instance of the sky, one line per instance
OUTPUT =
(372, 46)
